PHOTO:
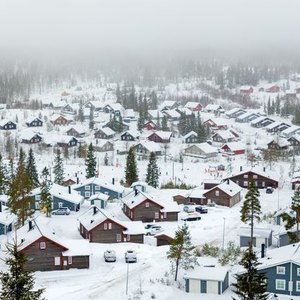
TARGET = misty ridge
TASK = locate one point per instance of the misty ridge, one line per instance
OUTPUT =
(148, 43)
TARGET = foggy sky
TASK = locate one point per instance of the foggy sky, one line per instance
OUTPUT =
(147, 28)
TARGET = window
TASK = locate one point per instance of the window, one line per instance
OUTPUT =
(298, 271)
(280, 284)
(119, 237)
(38, 197)
(254, 176)
(56, 261)
(298, 286)
(60, 204)
(97, 188)
(109, 225)
(245, 175)
(42, 245)
(87, 188)
(217, 193)
(280, 270)
(245, 183)
(105, 226)
(156, 215)
(128, 237)
(237, 182)
(147, 204)
(87, 194)
(70, 260)
(263, 184)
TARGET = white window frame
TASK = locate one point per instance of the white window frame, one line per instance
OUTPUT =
(298, 271)
(109, 225)
(87, 194)
(245, 175)
(57, 261)
(60, 204)
(70, 260)
(147, 204)
(254, 176)
(38, 197)
(298, 286)
(43, 245)
(280, 281)
(128, 238)
(156, 215)
(119, 237)
(245, 183)
(105, 226)
(87, 188)
(97, 188)
(217, 193)
(280, 270)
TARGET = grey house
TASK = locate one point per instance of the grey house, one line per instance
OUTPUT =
(260, 236)
(207, 280)
(94, 185)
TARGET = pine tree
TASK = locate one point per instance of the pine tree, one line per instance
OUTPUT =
(82, 150)
(181, 251)
(131, 174)
(46, 198)
(152, 171)
(294, 220)
(20, 201)
(17, 283)
(91, 117)
(81, 112)
(90, 162)
(3, 177)
(251, 284)
(58, 169)
(164, 123)
(251, 209)
(106, 159)
(31, 169)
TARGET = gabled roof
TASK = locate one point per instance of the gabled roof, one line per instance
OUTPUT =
(260, 119)
(235, 146)
(257, 232)
(190, 134)
(207, 273)
(234, 110)
(26, 237)
(65, 139)
(213, 107)
(172, 113)
(224, 134)
(135, 198)
(100, 182)
(247, 115)
(31, 119)
(204, 147)
(228, 187)
(28, 135)
(192, 105)
(276, 124)
(106, 130)
(165, 135)
(6, 217)
(280, 142)
(290, 130)
(150, 146)
(94, 216)
(99, 196)
(5, 121)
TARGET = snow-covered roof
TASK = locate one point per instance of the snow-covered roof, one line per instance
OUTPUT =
(213, 107)
(78, 127)
(150, 146)
(246, 115)
(280, 142)
(290, 130)
(228, 187)
(196, 193)
(100, 182)
(260, 119)
(6, 217)
(257, 232)
(189, 134)
(65, 139)
(233, 111)
(31, 119)
(192, 105)
(135, 198)
(172, 113)
(224, 134)
(235, 146)
(28, 134)
(204, 147)
(275, 124)
(165, 135)
(107, 131)
(115, 106)
(168, 103)
(207, 273)
(4, 122)
(99, 196)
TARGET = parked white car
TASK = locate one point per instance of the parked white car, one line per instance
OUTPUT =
(110, 256)
(130, 256)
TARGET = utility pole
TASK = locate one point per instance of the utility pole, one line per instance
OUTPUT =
(127, 278)
(223, 241)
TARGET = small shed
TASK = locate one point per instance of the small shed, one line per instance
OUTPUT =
(207, 280)
(99, 200)
(164, 238)
(260, 236)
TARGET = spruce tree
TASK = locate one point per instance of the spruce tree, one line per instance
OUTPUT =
(152, 171)
(20, 202)
(31, 169)
(294, 220)
(81, 112)
(17, 283)
(181, 251)
(3, 177)
(46, 198)
(131, 174)
(90, 162)
(164, 123)
(106, 159)
(250, 285)
(251, 209)
(58, 169)
(91, 117)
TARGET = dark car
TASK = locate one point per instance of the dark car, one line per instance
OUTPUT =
(269, 190)
(61, 211)
(201, 209)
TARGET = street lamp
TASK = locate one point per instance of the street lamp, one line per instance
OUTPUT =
(223, 242)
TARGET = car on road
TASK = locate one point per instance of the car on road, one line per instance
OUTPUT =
(61, 211)
(201, 210)
(110, 256)
(189, 208)
(130, 256)
(192, 217)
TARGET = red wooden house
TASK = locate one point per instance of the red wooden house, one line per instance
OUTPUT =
(194, 106)
(160, 137)
(150, 125)
(215, 124)
(273, 89)
(236, 148)
(246, 90)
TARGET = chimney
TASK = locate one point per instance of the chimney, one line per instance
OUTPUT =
(263, 250)
(264, 169)
(227, 181)
(135, 192)
(76, 174)
(30, 225)
(0, 206)
(94, 210)
(77, 180)
(69, 188)
(241, 168)
(113, 181)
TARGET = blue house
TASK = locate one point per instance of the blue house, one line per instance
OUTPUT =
(207, 280)
(99, 200)
(282, 269)
(260, 236)
(94, 185)
(7, 220)
(34, 122)
(7, 125)
(62, 196)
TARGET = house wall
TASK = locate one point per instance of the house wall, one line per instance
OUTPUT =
(146, 214)
(78, 262)
(261, 182)
(42, 260)
(223, 198)
(155, 138)
(92, 191)
(180, 199)
(163, 240)
(136, 238)
(65, 203)
(225, 284)
(101, 235)
(127, 137)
